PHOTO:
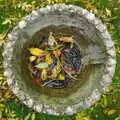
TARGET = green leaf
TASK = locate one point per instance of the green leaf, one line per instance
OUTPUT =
(42, 65)
(105, 101)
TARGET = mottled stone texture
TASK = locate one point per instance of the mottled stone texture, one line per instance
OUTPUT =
(99, 51)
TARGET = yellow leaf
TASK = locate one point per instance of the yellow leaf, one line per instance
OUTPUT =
(61, 77)
(54, 73)
(111, 112)
(36, 52)
(1, 36)
(108, 12)
(7, 94)
(105, 101)
(44, 74)
(27, 117)
(58, 68)
(32, 58)
(67, 39)
(78, 117)
(48, 59)
(2, 106)
(59, 1)
(0, 114)
(33, 116)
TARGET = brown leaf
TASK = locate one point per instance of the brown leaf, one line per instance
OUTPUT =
(57, 53)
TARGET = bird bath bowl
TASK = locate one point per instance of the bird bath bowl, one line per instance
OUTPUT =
(97, 52)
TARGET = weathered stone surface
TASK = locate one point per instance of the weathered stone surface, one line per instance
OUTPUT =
(98, 50)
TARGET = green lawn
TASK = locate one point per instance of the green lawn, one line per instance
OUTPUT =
(108, 108)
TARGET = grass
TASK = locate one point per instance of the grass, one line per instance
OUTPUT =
(108, 108)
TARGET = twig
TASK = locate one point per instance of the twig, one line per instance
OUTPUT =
(5, 34)
(47, 82)
(66, 71)
(63, 67)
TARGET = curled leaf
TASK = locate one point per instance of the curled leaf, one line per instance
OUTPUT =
(44, 74)
(32, 58)
(36, 52)
(51, 39)
(42, 65)
(67, 39)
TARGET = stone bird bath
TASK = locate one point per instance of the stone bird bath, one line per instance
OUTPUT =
(98, 59)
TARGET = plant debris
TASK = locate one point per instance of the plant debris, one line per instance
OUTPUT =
(56, 61)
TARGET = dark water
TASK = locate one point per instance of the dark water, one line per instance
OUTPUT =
(84, 72)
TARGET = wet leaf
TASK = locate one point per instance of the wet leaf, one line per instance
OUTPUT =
(67, 39)
(42, 65)
(58, 67)
(71, 45)
(51, 40)
(61, 77)
(48, 59)
(57, 53)
(54, 73)
(44, 74)
(36, 52)
(32, 58)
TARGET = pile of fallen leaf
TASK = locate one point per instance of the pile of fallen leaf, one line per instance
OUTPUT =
(51, 63)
